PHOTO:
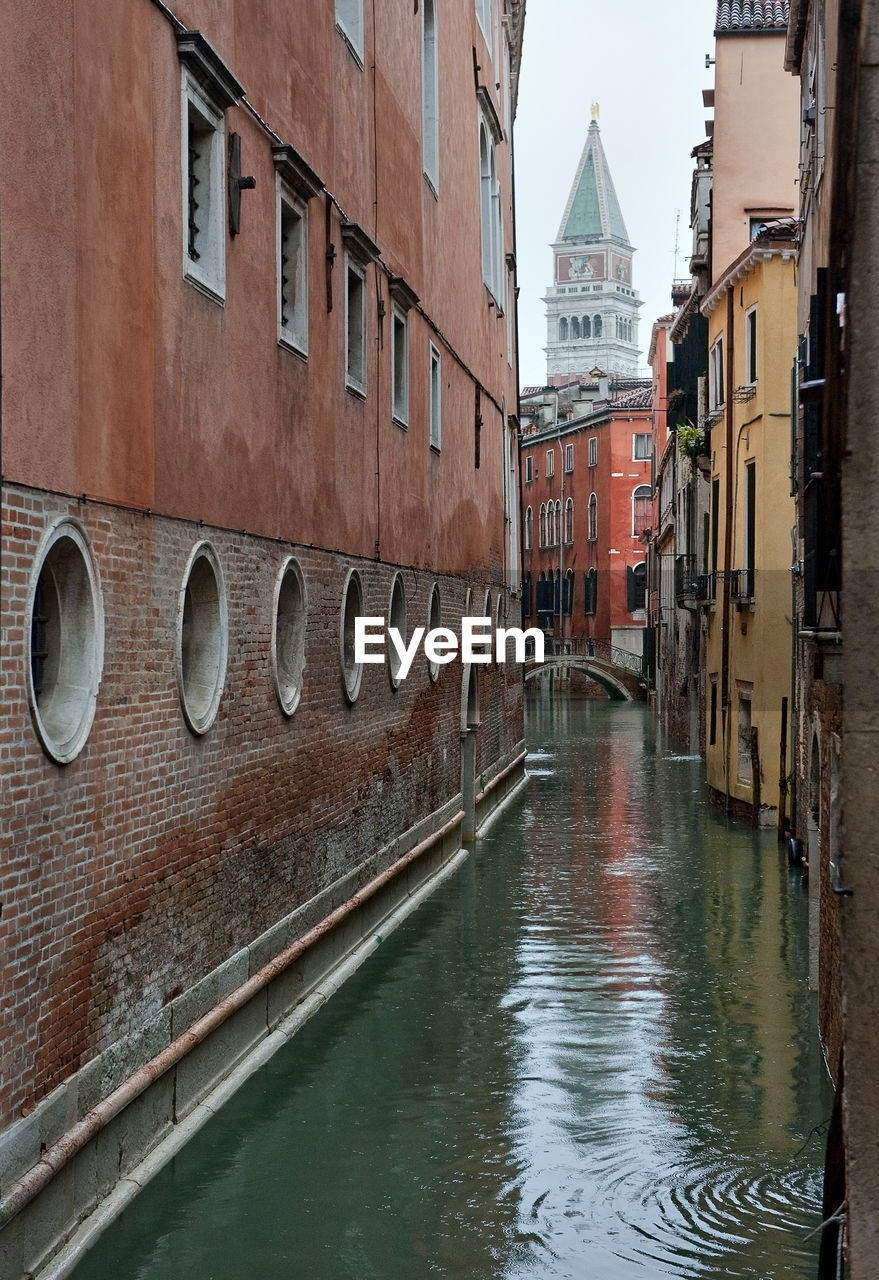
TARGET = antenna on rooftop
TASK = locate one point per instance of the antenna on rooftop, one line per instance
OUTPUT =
(677, 240)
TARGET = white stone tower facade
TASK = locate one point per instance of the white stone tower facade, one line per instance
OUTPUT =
(591, 307)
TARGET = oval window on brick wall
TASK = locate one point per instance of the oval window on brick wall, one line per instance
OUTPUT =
(202, 638)
(434, 620)
(397, 618)
(352, 607)
(288, 635)
(66, 649)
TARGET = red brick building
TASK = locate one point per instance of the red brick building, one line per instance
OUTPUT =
(586, 504)
(258, 378)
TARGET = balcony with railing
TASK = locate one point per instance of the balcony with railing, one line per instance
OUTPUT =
(741, 587)
(686, 579)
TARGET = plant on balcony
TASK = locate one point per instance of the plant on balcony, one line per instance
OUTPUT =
(691, 440)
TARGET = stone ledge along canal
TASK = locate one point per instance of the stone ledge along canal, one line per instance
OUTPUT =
(592, 1053)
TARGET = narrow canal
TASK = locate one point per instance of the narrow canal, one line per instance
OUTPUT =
(589, 1055)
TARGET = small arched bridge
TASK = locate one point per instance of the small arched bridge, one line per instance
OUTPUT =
(616, 670)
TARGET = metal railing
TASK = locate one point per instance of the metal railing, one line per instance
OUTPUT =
(582, 647)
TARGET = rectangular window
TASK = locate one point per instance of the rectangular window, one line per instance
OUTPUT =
(435, 399)
(429, 93)
(491, 212)
(400, 366)
(292, 272)
(550, 463)
(712, 714)
(593, 451)
(349, 20)
(483, 13)
(747, 587)
(641, 450)
(204, 204)
(751, 346)
(355, 328)
(716, 390)
(569, 457)
(715, 533)
(529, 469)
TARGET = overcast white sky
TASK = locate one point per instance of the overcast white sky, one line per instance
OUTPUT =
(643, 61)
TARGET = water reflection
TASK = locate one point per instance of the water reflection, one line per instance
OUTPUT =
(589, 1054)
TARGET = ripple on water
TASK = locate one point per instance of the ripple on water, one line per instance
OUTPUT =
(684, 1219)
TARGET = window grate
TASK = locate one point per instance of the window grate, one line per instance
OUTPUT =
(193, 157)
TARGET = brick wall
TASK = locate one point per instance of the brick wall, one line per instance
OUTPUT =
(152, 857)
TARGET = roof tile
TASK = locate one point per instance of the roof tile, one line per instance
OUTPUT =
(751, 15)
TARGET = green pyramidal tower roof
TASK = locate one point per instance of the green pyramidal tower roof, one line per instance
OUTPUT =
(593, 210)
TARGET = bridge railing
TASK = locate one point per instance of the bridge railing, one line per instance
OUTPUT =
(581, 647)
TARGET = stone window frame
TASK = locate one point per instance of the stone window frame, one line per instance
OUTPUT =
(350, 670)
(201, 642)
(66, 636)
(288, 647)
(349, 23)
(434, 621)
(208, 90)
(430, 131)
(403, 299)
(751, 339)
(435, 398)
(360, 250)
(397, 615)
(592, 518)
(296, 184)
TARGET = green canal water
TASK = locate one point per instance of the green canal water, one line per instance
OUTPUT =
(591, 1054)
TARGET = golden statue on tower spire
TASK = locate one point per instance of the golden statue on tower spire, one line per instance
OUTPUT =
(595, 111)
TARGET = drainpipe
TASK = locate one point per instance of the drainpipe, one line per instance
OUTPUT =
(21, 1191)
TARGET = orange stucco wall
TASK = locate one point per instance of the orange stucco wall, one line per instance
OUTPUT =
(755, 165)
(124, 382)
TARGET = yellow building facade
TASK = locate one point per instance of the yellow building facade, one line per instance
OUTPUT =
(751, 312)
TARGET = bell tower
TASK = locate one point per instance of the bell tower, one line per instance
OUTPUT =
(591, 306)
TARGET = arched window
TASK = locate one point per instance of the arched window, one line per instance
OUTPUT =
(559, 531)
(526, 596)
(636, 586)
(642, 510)
(563, 329)
(596, 327)
(550, 524)
(591, 591)
(575, 327)
(592, 532)
(542, 528)
(569, 591)
(569, 520)
(529, 529)
(586, 327)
